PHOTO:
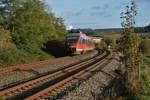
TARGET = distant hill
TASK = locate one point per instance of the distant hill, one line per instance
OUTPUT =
(145, 29)
(92, 32)
(109, 31)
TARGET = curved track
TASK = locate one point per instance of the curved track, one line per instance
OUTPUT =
(51, 82)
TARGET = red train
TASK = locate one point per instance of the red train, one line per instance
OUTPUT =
(79, 43)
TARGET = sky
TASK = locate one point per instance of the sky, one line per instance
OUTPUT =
(97, 14)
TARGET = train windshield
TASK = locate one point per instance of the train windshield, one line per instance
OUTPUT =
(72, 40)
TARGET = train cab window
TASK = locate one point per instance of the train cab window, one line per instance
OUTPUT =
(71, 40)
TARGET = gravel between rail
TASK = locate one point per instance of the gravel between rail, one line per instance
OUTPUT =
(92, 88)
(21, 75)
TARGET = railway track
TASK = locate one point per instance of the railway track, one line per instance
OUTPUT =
(39, 66)
(25, 66)
(51, 82)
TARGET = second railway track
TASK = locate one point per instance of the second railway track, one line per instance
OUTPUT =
(45, 85)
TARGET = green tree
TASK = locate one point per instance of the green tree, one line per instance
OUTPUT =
(32, 25)
(7, 11)
(130, 42)
(28, 25)
(60, 28)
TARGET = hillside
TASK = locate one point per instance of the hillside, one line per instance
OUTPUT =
(145, 29)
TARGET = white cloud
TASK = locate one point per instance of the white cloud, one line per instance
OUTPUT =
(69, 27)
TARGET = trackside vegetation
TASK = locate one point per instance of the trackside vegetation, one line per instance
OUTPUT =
(26, 26)
(136, 58)
(133, 81)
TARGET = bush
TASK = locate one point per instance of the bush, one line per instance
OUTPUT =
(11, 57)
(5, 39)
(102, 44)
(14, 56)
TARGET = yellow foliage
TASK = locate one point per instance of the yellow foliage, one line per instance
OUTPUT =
(5, 39)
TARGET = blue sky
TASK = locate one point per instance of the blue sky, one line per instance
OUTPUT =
(97, 13)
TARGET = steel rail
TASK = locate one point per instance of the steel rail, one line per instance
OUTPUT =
(33, 83)
(48, 91)
(31, 66)
(23, 66)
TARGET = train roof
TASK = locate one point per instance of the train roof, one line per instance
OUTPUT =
(79, 35)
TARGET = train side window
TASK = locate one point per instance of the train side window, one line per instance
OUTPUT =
(89, 43)
(85, 41)
(81, 40)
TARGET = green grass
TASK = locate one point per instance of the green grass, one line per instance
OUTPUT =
(146, 59)
(144, 93)
(15, 56)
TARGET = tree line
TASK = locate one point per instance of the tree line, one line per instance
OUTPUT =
(26, 26)
(145, 29)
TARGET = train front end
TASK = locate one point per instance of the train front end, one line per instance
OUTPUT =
(71, 43)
